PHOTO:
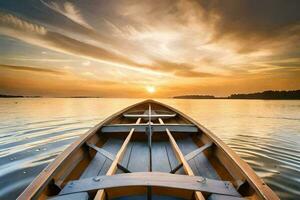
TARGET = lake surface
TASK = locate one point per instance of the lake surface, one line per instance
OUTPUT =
(266, 134)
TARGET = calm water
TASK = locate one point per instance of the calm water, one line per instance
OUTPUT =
(264, 133)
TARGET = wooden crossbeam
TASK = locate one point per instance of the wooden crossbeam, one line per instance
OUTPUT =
(108, 155)
(113, 168)
(180, 157)
(194, 153)
(125, 128)
(191, 155)
(146, 115)
(102, 151)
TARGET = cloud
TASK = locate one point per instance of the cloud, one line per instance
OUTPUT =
(68, 45)
(90, 75)
(21, 25)
(68, 10)
(56, 60)
(38, 35)
(86, 63)
(178, 69)
(31, 69)
(242, 27)
(253, 24)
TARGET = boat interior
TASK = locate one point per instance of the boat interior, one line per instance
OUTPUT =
(148, 152)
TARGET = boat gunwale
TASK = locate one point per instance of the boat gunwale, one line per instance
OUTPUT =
(44, 178)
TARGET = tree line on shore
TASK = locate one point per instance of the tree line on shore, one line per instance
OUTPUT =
(270, 94)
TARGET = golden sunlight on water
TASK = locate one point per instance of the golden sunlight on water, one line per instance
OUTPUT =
(264, 133)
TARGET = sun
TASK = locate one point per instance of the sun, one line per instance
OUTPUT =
(150, 89)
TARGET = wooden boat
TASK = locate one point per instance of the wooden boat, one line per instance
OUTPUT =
(148, 151)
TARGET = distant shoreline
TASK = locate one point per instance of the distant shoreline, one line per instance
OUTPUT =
(19, 96)
(265, 95)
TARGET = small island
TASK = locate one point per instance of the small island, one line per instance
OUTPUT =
(270, 94)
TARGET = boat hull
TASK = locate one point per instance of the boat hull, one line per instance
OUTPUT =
(148, 137)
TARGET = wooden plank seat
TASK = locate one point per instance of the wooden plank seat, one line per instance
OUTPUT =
(158, 179)
(125, 128)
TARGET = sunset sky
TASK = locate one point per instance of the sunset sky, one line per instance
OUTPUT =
(159, 48)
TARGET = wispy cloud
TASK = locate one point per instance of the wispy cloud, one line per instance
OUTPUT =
(86, 63)
(65, 44)
(38, 35)
(13, 22)
(32, 69)
(40, 60)
(68, 10)
(178, 69)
